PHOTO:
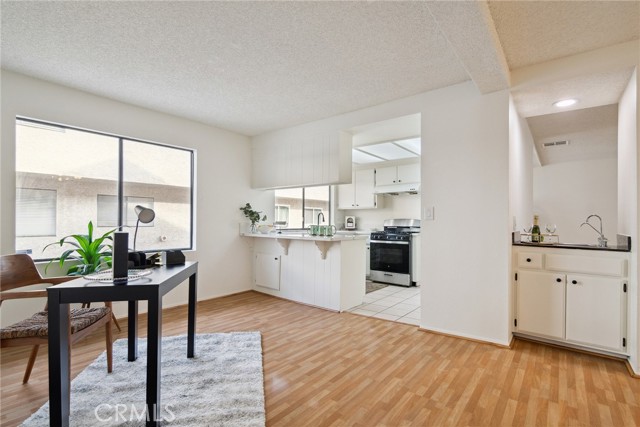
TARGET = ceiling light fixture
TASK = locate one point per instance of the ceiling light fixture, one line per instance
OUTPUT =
(565, 103)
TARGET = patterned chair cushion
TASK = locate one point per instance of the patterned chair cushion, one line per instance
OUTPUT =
(37, 326)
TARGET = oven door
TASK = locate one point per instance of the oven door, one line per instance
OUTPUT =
(390, 256)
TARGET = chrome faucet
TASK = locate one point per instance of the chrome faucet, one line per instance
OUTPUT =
(602, 241)
(320, 214)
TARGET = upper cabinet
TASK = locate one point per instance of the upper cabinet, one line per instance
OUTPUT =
(296, 159)
(398, 174)
(359, 194)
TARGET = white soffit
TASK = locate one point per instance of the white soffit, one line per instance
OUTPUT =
(537, 31)
(249, 67)
(591, 132)
(387, 130)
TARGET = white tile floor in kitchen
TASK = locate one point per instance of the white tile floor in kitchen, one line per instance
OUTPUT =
(395, 303)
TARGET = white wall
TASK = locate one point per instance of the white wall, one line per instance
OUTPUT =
(566, 193)
(628, 201)
(465, 176)
(400, 206)
(520, 170)
(223, 175)
(466, 249)
(521, 156)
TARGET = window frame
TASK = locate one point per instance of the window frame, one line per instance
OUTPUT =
(304, 206)
(120, 185)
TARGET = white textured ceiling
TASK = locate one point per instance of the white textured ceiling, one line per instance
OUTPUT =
(590, 90)
(537, 31)
(244, 66)
(592, 134)
(251, 67)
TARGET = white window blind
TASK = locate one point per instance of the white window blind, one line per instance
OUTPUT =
(35, 212)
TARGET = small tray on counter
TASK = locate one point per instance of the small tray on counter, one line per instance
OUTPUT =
(547, 238)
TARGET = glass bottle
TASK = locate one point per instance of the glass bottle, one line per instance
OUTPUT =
(535, 231)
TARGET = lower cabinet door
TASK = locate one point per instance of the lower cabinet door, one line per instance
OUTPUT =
(540, 303)
(267, 270)
(595, 311)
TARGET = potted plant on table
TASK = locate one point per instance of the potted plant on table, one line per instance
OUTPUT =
(253, 216)
(90, 254)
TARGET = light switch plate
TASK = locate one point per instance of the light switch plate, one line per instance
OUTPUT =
(428, 213)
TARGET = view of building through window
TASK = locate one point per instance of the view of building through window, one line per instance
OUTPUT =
(67, 177)
(300, 207)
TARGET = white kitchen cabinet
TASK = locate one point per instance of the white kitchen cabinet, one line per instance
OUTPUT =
(540, 303)
(572, 297)
(368, 260)
(398, 174)
(595, 309)
(267, 270)
(319, 271)
(296, 159)
(359, 194)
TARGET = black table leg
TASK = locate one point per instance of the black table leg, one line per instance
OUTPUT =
(191, 328)
(59, 391)
(154, 347)
(132, 331)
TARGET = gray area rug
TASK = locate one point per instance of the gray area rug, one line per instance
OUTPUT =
(222, 386)
(373, 286)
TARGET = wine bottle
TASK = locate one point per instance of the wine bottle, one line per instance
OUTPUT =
(535, 231)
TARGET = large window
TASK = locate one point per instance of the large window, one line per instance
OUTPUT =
(66, 177)
(301, 207)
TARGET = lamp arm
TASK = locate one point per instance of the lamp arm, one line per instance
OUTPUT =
(135, 235)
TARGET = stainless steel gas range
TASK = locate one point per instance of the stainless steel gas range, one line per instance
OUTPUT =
(395, 252)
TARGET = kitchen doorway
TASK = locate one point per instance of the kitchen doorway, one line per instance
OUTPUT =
(396, 303)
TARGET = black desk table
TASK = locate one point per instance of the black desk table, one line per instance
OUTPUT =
(149, 288)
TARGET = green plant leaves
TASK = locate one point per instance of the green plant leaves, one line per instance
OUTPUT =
(92, 255)
(251, 214)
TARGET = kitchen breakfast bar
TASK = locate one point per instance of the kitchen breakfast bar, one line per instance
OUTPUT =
(326, 272)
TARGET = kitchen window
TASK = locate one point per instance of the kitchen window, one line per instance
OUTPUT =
(66, 177)
(282, 214)
(303, 205)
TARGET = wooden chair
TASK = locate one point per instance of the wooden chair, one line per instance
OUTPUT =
(17, 271)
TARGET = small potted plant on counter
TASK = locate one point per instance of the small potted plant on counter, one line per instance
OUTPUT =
(253, 216)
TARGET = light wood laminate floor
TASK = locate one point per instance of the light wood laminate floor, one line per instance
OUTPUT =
(329, 369)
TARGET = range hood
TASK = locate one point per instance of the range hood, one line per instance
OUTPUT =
(411, 188)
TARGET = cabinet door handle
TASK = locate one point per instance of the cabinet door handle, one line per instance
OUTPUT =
(528, 259)
(575, 282)
(559, 280)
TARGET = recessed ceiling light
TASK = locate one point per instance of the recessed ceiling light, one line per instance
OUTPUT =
(565, 103)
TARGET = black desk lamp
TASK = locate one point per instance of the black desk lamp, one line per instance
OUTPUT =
(145, 215)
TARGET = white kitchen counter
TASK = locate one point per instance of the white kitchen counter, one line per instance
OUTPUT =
(327, 272)
(296, 236)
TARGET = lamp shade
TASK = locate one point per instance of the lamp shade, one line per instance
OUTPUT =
(145, 215)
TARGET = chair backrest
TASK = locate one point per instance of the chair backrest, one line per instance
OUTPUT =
(17, 271)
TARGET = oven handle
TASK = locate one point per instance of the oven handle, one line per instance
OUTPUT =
(388, 242)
